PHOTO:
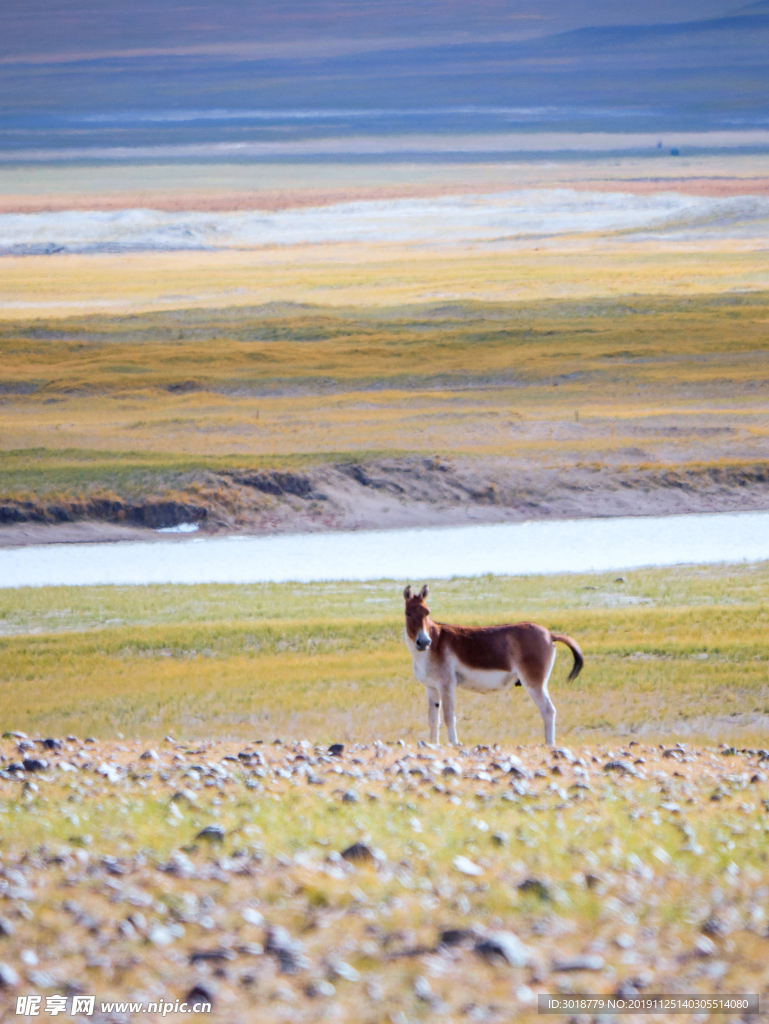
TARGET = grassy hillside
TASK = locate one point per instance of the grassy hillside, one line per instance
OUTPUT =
(115, 401)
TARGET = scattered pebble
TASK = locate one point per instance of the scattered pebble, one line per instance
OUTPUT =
(358, 853)
(320, 988)
(8, 977)
(505, 946)
(536, 887)
(159, 935)
(213, 833)
(252, 916)
(467, 866)
(589, 962)
(347, 936)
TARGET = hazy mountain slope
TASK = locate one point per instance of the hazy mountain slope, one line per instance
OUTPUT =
(57, 27)
(708, 73)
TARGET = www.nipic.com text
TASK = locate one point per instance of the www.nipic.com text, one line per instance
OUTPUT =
(32, 1006)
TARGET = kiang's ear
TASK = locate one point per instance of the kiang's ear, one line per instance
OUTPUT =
(423, 592)
(407, 594)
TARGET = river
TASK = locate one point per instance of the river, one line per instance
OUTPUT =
(579, 545)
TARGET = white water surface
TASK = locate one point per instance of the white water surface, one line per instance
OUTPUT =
(580, 545)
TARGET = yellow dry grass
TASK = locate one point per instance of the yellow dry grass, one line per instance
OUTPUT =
(366, 275)
(556, 381)
(675, 653)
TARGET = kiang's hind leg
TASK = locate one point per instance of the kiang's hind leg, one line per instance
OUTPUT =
(535, 679)
(434, 714)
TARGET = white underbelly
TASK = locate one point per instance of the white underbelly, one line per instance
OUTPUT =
(485, 680)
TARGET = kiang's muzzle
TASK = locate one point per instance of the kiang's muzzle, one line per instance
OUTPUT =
(422, 641)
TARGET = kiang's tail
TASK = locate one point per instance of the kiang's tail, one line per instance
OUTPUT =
(579, 661)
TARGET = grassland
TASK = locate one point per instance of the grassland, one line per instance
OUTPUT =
(383, 276)
(671, 654)
(162, 404)
(139, 377)
(617, 865)
(136, 378)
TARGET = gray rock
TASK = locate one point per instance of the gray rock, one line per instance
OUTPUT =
(287, 950)
(211, 955)
(179, 864)
(341, 969)
(251, 949)
(620, 766)
(457, 936)
(565, 753)
(185, 795)
(703, 946)
(536, 887)
(422, 989)
(6, 927)
(252, 916)
(159, 935)
(504, 946)
(320, 988)
(717, 926)
(466, 866)
(358, 853)
(589, 962)
(213, 833)
(202, 992)
(350, 797)
(8, 977)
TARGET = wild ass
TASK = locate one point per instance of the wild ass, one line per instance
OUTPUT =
(484, 659)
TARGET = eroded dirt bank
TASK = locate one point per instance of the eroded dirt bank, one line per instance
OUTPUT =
(384, 494)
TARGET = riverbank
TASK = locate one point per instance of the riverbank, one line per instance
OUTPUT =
(406, 493)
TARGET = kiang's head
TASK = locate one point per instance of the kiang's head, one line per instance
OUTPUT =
(416, 613)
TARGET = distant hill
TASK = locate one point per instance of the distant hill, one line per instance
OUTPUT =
(492, 66)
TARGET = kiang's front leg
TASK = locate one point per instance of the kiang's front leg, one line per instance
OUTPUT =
(434, 714)
(448, 686)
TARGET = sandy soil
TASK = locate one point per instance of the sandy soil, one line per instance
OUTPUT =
(421, 492)
(85, 532)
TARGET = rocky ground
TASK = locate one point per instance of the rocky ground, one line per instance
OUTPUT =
(395, 493)
(285, 881)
